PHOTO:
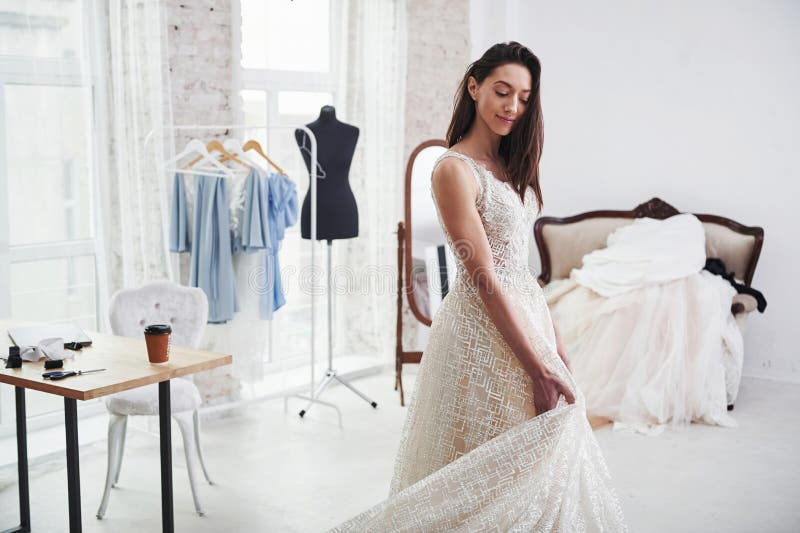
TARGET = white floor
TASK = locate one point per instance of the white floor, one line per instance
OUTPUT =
(277, 472)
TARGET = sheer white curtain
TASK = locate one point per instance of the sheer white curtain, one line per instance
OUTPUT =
(131, 65)
(373, 84)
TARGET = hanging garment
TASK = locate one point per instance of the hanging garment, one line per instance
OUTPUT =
(270, 206)
(474, 454)
(211, 247)
(246, 334)
(281, 199)
(650, 335)
(254, 234)
(179, 232)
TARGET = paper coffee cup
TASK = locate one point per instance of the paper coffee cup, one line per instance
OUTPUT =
(157, 338)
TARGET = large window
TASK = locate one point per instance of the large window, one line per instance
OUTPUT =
(289, 59)
(286, 36)
(47, 211)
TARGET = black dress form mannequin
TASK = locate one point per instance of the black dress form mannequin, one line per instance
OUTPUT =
(337, 213)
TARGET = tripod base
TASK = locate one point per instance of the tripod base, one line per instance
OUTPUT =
(312, 400)
(331, 375)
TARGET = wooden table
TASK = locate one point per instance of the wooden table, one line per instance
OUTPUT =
(127, 367)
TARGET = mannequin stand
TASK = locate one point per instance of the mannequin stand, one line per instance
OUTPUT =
(330, 373)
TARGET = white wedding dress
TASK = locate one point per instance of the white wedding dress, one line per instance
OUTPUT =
(474, 456)
(650, 334)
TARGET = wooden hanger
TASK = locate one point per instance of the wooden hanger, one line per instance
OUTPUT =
(216, 146)
(254, 145)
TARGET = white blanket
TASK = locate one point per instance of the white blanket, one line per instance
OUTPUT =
(644, 253)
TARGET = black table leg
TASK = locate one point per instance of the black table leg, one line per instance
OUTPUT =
(73, 469)
(164, 420)
(22, 464)
(22, 461)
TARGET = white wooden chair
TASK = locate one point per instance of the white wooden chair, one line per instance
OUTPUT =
(130, 310)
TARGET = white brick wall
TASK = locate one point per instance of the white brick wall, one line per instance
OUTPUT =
(438, 56)
(200, 63)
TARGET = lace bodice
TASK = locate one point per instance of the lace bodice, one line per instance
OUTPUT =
(507, 221)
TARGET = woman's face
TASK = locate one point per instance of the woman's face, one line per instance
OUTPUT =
(502, 97)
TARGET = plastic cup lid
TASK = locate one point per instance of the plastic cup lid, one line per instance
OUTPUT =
(157, 329)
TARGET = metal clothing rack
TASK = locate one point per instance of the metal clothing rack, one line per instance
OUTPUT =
(313, 142)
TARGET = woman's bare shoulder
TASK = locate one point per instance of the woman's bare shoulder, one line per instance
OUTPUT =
(452, 177)
(449, 166)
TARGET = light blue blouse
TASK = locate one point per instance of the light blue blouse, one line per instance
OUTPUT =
(281, 194)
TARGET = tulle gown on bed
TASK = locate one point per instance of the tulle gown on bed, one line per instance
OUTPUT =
(473, 454)
(650, 335)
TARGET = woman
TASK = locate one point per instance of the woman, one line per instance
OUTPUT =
(496, 437)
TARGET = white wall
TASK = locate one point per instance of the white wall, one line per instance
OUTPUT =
(697, 103)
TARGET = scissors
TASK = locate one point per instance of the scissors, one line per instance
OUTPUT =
(53, 376)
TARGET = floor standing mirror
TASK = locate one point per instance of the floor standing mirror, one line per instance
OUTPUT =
(422, 254)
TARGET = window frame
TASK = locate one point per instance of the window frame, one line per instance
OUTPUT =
(52, 72)
(274, 81)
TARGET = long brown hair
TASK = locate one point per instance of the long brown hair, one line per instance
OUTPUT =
(522, 148)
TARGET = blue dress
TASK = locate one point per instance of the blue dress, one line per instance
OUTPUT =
(211, 247)
(282, 212)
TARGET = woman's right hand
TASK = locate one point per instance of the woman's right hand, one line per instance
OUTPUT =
(546, 389)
